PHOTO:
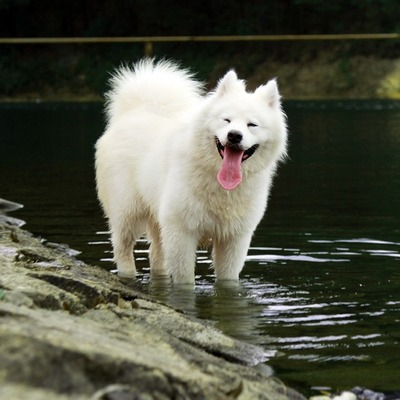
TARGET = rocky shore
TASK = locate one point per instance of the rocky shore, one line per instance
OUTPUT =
(73, 331)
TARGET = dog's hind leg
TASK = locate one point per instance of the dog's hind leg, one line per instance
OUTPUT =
(156, 254)
(123, 238)
(229, 255)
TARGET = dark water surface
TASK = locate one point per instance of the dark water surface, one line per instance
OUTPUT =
(321, 288)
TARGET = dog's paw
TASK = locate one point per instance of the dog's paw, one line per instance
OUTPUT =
(126, 274)
(126, 270)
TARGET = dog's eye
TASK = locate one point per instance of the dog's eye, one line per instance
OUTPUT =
(251, 125)
(227, 120)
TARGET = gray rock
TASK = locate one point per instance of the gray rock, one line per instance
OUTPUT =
(73, 331)
(7, 206)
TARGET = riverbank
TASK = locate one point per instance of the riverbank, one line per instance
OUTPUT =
(331, 77)
(333, 73)
(73, 331)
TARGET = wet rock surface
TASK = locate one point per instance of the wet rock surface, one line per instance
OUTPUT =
(73, 331)
(358, 393)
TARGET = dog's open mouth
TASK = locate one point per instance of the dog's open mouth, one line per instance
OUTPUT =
(230, 173)
(246, 154)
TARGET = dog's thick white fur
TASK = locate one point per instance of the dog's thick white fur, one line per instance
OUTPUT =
(186, 168)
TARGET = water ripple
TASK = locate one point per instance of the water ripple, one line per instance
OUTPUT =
(294, 257)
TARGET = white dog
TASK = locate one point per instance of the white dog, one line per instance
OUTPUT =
(186, 168)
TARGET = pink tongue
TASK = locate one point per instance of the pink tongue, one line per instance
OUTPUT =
(230, 173)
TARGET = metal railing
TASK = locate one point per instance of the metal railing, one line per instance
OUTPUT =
(148, 41)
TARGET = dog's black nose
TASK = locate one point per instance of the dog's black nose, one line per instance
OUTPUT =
(234, 137)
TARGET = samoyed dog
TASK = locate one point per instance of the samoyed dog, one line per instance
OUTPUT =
(186, 168)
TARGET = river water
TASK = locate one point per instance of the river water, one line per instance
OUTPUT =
(321, 287)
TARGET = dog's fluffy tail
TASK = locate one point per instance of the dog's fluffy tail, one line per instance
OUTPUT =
(161, 87)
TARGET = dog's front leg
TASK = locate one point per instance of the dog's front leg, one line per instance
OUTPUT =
(179, 248)
(229, 255)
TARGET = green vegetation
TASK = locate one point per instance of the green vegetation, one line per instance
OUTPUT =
(81, 71)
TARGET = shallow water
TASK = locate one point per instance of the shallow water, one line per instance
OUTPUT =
(321, 287)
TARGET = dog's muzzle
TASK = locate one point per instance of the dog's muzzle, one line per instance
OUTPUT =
(247, 153)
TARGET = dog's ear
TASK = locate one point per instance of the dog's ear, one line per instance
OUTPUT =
(228, 83)
(270, 93)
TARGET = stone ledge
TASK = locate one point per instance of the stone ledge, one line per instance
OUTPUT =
(73, 331)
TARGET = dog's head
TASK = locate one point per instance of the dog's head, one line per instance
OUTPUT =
(248, 127)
